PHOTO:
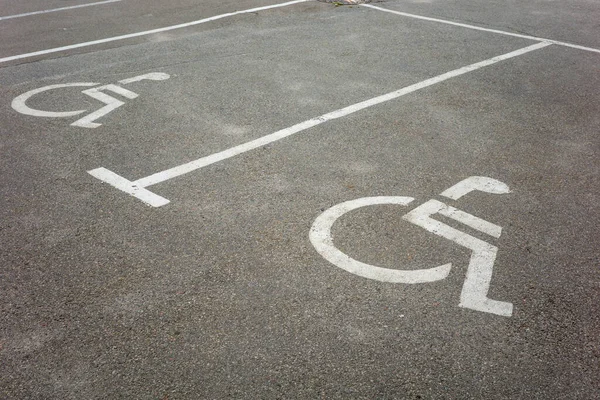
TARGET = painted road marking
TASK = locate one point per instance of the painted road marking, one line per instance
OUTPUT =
(479, 272)
(133, 187)
(111, 104)
(479, 28)
(145, 33)
(98, 3)
(320, 237)
(19, 103)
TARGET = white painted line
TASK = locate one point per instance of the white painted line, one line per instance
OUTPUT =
(479, 28)
(145, 33)
(131, 188)
(127, 186)
(223, 155)
(98, 3)
(231, 152)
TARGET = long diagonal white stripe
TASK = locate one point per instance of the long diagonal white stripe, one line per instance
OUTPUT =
(138, 189)
(98, 3)
(216, 157)
(145, 33)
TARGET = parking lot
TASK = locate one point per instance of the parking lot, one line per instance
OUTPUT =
(256, 199)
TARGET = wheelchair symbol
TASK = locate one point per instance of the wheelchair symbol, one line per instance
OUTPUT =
(88, 121)
(479, 272)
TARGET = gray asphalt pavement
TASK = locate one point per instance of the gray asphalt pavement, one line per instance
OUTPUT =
(226, 291)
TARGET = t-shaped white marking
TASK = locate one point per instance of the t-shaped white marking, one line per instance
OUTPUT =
(129, 187)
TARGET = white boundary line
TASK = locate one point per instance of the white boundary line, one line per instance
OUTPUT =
(145, 33)
(479, 28)
(98, 3)
(137, 188)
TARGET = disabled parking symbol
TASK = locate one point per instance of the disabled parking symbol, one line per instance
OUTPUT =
(479, 272)
(99, 93)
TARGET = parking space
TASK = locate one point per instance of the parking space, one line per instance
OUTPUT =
(307, 201)
(571, 21)
(29, 29)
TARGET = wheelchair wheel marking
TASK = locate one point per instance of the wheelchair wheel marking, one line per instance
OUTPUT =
(19, 105)
(321, 239)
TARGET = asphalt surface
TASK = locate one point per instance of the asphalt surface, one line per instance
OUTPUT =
(220, 293)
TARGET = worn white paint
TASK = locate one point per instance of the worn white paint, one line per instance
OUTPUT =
(145, 33)
(321, 239)
(479, 28)
(273, 137)
(19, 102)
(98, 3)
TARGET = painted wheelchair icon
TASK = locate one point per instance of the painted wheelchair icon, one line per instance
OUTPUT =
(479, 272)
(89, 121)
